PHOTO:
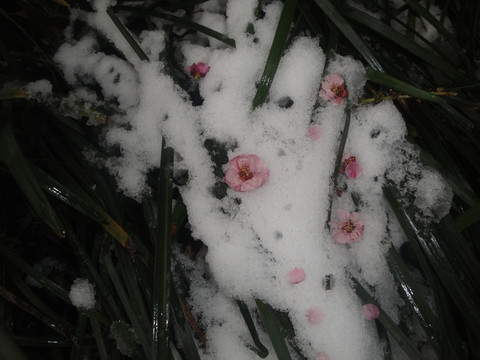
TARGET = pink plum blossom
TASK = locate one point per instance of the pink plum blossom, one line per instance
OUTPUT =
(350, 167)
(333, 88)
(315, 316)
(349, 229)
(296, 276)
(370, 311)
(246, 173)
(198, 70)
(314, 132)
(322, 356)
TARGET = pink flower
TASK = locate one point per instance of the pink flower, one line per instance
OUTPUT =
(198, 70)
(349, 229)
(370, 311)
(322, 356)
(333, 88)
(246, 173)
(350, 167)
(315, 315)
(314, 132)
(296, 276)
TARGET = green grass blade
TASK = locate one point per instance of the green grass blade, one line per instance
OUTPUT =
(390, 82)
(132, 284)
(468, 218)
(38, 304)
(97, 334)
(83, 203)
(185, 332)
(161, 290)
(76, 352)
(143, 338)
(180, 21)
(12, 257)
(388, 323)
(338, 163)
(272, 326)
(15, 300)
(414, 296)
(331, 11)
(440, 263)
(126, 34)
(278, 46)
(425, 13)
(260, 349)
(12, 156)
(108, 302)
(402, 41)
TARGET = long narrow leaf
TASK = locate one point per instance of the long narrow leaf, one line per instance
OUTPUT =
(181, 21)
(12, 156)
(276, 51)
(331, 11)
(126, 34)
(186, 333)
(388, 323)
(272, 326)
(260, 349)
(392, 83)
(442, 265)
(338, 163)
(97, 334)
(15, 259)
(402, 41)
(133, 317)
(161, 291)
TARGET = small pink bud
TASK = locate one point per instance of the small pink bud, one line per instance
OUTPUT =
(296, 276)
(314, 132)
(315, 316)
(198, 70)
(370, 311)
(246, 173)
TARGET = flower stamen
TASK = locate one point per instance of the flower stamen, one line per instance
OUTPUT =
(244, 173)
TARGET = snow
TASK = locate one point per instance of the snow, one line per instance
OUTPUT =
(255, 239)
(82, 294)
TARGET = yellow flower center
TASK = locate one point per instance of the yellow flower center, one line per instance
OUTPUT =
(348, 227)
(337, 90)
(245, 173)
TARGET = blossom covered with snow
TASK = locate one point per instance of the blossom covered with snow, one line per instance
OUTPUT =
(296, 276)
(370, 311)
(349, 229)
(333, 88)
(315, 315)
(314, 132)
(82, 294)
(246, 173)
(198, 70)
